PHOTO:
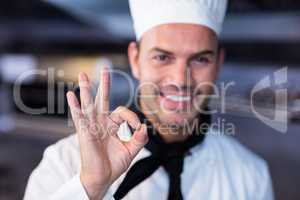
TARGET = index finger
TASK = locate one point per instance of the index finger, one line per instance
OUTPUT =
(102, 97)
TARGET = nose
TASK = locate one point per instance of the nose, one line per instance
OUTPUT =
(180, 74)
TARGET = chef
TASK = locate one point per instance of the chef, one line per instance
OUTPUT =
(173, 153)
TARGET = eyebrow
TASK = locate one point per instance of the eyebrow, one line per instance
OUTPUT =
(161, 50)
(201, 53)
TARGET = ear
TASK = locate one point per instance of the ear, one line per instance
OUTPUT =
(221, 58)
(133, 55)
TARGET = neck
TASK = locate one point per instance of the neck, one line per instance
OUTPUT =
(168, 134)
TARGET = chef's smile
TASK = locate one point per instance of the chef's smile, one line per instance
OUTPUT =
(172, 98)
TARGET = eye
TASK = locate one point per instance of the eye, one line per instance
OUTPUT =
(161, 57)
(202, 60)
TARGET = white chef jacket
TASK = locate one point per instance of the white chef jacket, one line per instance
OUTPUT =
(219, 168)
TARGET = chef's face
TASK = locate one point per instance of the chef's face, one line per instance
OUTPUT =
(176, 65)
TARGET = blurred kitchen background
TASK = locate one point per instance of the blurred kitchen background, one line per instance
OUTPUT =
(59, 38)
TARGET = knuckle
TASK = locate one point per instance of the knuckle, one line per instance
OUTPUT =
(88, 109)
(83, 125)
(133, 115)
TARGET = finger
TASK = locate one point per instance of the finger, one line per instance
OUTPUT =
(74, 108)
(85, 95)
(122, 114)
(86, 129)
(138, 141)
(102, 97)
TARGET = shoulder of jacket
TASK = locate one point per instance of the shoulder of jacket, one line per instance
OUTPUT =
(64, 149)
(229, 148)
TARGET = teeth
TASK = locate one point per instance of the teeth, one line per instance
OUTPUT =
(178, 98)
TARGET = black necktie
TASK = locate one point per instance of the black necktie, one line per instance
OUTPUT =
(168, 155)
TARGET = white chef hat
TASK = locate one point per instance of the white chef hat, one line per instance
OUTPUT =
(147, 14)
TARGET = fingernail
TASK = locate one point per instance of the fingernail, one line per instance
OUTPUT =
(82, 77)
